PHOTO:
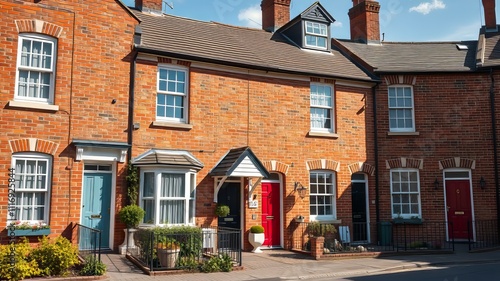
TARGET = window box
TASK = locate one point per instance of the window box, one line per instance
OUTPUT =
(30, 232)
(407, 221)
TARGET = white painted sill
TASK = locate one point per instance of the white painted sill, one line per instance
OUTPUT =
(403, 133)
(172, 125)
(33, 105)
(323, 135)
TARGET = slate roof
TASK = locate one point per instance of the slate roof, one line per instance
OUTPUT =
(414, 56)
(489, 48)
(233, 158)
(168, 158)
(238, 46)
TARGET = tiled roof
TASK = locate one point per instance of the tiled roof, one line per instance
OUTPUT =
(232, 160)
(174, 158)
(237, 46)
(415, 56)
(491, 43)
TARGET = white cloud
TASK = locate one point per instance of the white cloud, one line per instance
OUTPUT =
(251, 16)
(469, 31)
(427, 7)
(337, 24)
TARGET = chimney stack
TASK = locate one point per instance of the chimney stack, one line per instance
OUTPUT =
(364, 20)
(490, 17)
(149, 5)
(275, 14)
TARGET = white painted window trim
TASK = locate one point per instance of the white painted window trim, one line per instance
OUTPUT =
(316, 35)
(332, 110)
(333, 216)
(412, 108)
(52, 70)
(185, 95)
(47, 191)
(406, 216)
(189, 176)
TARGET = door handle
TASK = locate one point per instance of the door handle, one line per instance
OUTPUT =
(270, 217)
(95, 216)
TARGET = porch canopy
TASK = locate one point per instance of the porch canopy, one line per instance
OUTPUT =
(239, 162)
(100, 150)
(165, 157)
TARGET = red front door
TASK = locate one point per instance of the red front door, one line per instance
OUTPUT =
(459, 211)
(271, 213)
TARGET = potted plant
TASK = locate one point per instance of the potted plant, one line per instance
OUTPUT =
(222, 210)
(256, 238)
(131, 216)
(168, 252)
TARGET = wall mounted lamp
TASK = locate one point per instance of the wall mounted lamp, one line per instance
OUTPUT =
(482, 183)
(436, 184)
(302, 190)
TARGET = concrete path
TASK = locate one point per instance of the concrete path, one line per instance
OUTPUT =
(290, 265)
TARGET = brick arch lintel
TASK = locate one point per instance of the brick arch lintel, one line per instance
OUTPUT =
(403, 162)
(323, 164)
(38, 26)
(276, 166)
(34, 145)
(457, 162)
(362, 167)
(400, 79)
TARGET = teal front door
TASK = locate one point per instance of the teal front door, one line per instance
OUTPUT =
(96, 208)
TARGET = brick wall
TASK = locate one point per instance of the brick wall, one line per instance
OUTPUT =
(93, 44)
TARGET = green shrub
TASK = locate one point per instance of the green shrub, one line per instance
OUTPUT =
(317, 229)
(217, 263)
(92, 267)
(22, 266)
(188, 263)
(131, 215)
(257, 229)
(55, 257)
(189, 238)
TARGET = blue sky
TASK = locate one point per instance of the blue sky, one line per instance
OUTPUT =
(400, 20)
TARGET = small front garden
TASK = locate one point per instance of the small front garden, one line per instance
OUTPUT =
(49, 258)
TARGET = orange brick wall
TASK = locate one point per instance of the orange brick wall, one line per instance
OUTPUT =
(92, 69)
(271, 115)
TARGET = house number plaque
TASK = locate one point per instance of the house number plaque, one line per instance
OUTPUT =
(253, 204)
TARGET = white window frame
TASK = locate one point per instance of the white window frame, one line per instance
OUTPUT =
(401, 107)
(32, 70)
(184, 94)
(322, 107)
(396, 183)
(189, 197)
(333, 194)
(316, 35)
(38, 157)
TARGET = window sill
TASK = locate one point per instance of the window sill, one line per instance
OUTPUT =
(33, 105)
(323, 135)
(329, 221)
(172, 125)
(403, 133)
(407, 221)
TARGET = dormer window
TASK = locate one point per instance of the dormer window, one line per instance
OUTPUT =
(316, 35)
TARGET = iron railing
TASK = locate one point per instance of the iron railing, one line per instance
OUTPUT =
(186, 250)
(483, 234)
(89, 244)
(379, 237)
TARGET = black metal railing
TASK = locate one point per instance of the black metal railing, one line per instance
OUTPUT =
(483, 234)
(89, 244)
(378, 237)
(186, 251)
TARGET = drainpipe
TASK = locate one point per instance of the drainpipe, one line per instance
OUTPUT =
(375, 143)
(495, 150)
(131, 105)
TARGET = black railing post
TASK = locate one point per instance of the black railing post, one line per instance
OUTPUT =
(151, 238)
(469, 234)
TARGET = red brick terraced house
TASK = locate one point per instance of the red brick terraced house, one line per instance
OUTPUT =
(436, 126)
(65, 71)
(272, 123)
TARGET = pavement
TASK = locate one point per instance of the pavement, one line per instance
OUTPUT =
(288, 265)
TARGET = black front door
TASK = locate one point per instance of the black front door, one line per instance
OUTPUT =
(359, 211)
(230, 194)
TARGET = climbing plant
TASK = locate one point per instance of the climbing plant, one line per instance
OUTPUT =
(133, 184)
